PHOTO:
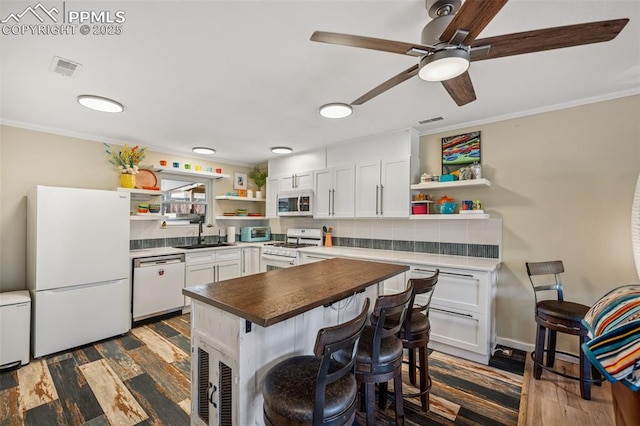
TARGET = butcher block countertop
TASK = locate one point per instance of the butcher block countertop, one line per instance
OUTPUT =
(271, 297)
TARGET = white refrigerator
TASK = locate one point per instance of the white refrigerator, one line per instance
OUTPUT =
(77, 266)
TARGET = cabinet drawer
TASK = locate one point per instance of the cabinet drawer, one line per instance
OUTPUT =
(464, 330)
(232, 254)
(458, 289)
(201, 258)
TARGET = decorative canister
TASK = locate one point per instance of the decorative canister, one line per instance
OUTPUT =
(127, 180)
(425, 177)
(476, 168)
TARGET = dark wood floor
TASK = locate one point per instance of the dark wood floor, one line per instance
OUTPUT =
(143, 378)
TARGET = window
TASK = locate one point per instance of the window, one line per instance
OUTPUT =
(185, 201)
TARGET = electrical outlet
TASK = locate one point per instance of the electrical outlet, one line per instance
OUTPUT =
(506, 352)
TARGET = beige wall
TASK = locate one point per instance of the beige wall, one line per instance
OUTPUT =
(29, 158)
(563, 183)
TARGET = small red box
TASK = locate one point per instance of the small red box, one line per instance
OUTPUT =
(419, 209)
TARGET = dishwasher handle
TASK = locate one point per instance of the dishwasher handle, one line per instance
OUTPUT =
(158, 260)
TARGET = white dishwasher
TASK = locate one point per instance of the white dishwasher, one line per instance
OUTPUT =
(157, 285)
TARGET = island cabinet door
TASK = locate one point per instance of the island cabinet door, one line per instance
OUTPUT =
(215, 386)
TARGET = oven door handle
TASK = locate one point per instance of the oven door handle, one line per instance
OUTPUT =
(279, 259)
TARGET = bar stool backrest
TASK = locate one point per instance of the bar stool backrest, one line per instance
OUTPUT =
(341, 338)
(387, 305)
(551, 269)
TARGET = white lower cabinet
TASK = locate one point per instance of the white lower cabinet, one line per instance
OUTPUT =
(461, 311)
(250, 261)
(210, 266)
(214, 386)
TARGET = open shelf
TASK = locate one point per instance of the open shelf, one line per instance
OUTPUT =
(183, 172)
(449, 216)
(453, 184)
(148, 216)
(241, 218)
(234, 198)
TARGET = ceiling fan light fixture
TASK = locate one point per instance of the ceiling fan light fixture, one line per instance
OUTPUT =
(281, 150)
(203, 150)
(444, 64)
(98, 103)
(336, 110)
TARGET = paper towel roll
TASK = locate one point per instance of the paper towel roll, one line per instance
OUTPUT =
(231, 234)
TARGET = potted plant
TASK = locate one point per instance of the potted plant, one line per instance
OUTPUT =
(259, 178)
(126, 161)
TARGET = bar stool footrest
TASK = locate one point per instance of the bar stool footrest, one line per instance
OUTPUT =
(551, 370)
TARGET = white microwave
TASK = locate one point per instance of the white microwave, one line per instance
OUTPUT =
(295, 204)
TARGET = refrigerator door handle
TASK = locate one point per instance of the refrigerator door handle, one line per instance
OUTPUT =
(83, 286)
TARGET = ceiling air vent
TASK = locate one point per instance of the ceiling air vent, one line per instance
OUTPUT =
(430, 120)
(64, 67)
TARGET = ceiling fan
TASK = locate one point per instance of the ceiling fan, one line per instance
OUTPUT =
(449, 44)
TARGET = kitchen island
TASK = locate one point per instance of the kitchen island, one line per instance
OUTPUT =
(242, 327)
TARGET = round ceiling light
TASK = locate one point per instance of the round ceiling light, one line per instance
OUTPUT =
(281, 150)
(444, 64)
(203, 150)
(336, 110)
(98, 103)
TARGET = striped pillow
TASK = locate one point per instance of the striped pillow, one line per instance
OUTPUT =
(613, 323)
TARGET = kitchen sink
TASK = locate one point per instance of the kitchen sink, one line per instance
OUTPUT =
(208, 245)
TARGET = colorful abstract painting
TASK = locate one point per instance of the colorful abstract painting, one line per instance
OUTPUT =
(460, 151)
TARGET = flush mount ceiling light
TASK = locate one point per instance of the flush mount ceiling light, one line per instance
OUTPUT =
(444, 64)
(281, 150)
(336, 110)
(203, 150)
(99, 103)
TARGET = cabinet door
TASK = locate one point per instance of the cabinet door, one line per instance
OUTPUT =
(250, 261)
(344, 187)
(216, 390)
(287, 182)
(323, 195)
(396, 193)
(199, 274)
(304, 180)
(367, 189)
(271, 201)
(228, 269)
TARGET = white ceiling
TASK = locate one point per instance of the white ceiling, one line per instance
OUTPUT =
(243, 76)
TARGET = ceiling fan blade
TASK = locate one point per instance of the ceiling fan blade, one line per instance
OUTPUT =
(393, 81)
(412, 49)
(473, 16)
(460, 89)
(550, 38)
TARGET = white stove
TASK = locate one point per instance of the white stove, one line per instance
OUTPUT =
(285, 254)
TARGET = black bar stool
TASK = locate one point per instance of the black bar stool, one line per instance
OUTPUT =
(379, 356)
(317, 389)
(415, 333)
(558, 315)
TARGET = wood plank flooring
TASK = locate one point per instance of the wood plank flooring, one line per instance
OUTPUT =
(143, 378)
(554, 400)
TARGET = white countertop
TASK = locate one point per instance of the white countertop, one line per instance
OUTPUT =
(475, 263)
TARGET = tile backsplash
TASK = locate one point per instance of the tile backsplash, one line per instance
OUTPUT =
(473, 237)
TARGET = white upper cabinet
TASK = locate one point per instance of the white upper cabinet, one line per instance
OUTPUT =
(382, 188)
(298, 180)
(334, 192)
(295, 172)
(273, 186)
